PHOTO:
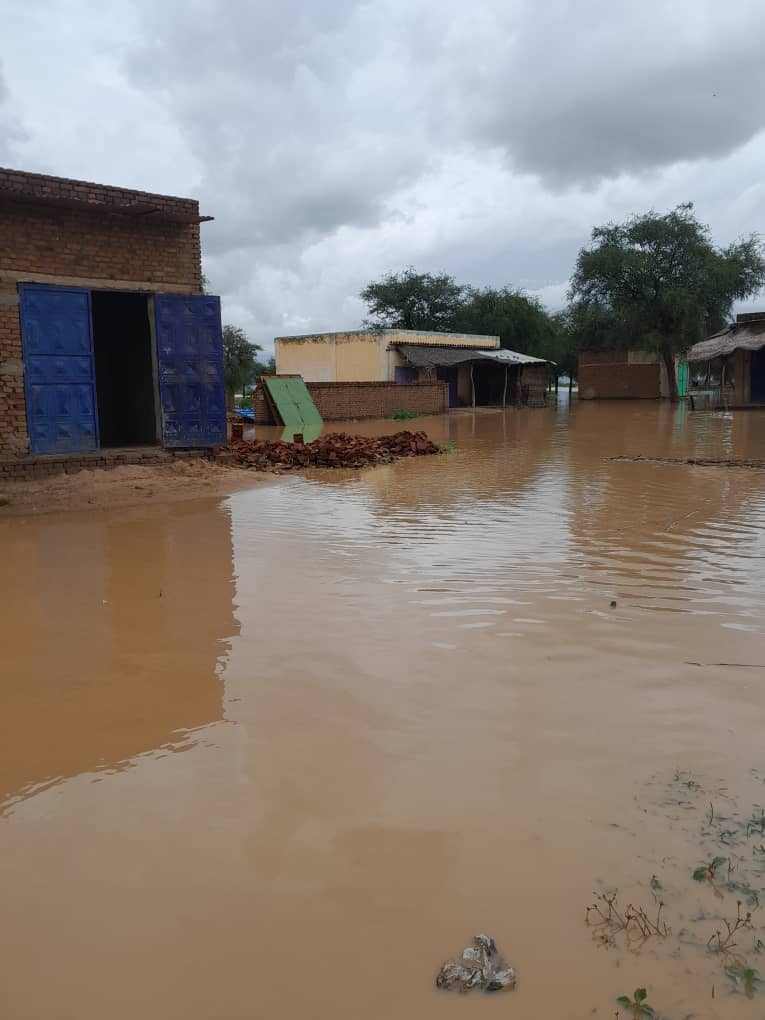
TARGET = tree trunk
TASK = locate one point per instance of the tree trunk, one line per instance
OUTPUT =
(668, 357)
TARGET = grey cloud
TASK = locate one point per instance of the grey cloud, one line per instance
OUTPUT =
(11, 132)
(581, 92)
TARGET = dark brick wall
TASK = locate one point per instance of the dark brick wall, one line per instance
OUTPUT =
(92, 240)
(90, 244)
(619, 381)
(348, 400)
(13, 420)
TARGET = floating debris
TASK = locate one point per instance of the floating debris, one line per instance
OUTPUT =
(335, 450)
(480, 966)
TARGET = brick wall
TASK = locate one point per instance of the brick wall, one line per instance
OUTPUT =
(346, 401)
(619, 381)
(56, 230)
(13, 420)
(90, 238)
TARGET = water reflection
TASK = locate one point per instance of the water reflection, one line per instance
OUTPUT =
(112, 641)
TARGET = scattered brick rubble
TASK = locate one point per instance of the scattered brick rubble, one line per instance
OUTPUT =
(336, 450)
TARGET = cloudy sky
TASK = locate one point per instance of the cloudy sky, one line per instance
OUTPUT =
(334, 140)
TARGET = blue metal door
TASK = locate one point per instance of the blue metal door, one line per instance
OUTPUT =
(59, 378)
(190, 364)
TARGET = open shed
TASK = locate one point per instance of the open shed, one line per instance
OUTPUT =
(481, 377)
(732, 362)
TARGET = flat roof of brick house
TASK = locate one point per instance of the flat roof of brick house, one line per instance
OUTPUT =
(413, 335)
(21, 187)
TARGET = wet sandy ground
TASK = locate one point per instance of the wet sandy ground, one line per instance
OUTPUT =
(124, 486)
(280, 754)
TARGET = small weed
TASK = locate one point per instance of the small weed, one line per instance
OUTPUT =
(706, 873)
(449, 446)
(744, 977)
(607, 916)
(403, 415)
(725, 943)
(637, 1004)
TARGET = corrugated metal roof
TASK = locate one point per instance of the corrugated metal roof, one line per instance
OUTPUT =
(442, 356)
(747, 336)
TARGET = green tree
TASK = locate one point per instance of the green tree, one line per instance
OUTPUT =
(265, 367)
(239, 364)
(410, 300)
(661, 281)
(520, 321)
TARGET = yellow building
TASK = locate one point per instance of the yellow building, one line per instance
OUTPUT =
(364, 355)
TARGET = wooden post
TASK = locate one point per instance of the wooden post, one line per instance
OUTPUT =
(472, 383)
(504, 391)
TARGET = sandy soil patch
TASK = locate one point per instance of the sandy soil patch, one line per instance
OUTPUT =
(128, 485)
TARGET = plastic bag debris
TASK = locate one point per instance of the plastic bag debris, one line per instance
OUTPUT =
(480, 966)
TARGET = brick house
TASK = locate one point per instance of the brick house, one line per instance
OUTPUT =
(106, 340)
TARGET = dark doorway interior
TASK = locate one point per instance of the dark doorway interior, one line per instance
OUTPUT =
(758, 376)
(489, 382)
(449, 376)
(124, 369)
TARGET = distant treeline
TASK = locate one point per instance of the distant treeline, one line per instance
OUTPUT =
(654, 281)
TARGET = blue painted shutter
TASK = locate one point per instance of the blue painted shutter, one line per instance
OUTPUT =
(59, 376)
(190, 362)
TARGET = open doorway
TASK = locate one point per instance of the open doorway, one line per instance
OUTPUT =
(758, 376)
(125, 388)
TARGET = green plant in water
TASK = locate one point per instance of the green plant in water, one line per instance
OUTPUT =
(744, 977)
(637, 1004)
(448, 447)
(403, 415)
(706, 872)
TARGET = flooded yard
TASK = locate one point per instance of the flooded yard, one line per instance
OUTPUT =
(281, 754)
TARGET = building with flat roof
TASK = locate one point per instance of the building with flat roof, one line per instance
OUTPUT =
(106, 340)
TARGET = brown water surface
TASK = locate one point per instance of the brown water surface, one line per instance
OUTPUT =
(280, 755)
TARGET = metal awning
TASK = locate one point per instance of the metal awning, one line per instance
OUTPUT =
(747, 337)
(441, 356)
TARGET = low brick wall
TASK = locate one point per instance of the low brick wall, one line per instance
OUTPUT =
(345, 401)
(45, 467)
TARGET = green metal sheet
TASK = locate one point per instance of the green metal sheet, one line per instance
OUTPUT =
(292, 401)
(682, 378)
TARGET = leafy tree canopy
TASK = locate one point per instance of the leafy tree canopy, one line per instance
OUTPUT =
(239, 364)
(659, 280)
(411, 300)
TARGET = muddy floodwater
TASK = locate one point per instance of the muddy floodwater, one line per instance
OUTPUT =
(283, 753)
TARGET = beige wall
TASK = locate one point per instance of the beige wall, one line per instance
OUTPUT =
(359, 356)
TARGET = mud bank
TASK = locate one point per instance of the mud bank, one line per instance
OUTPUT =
(126, 486)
